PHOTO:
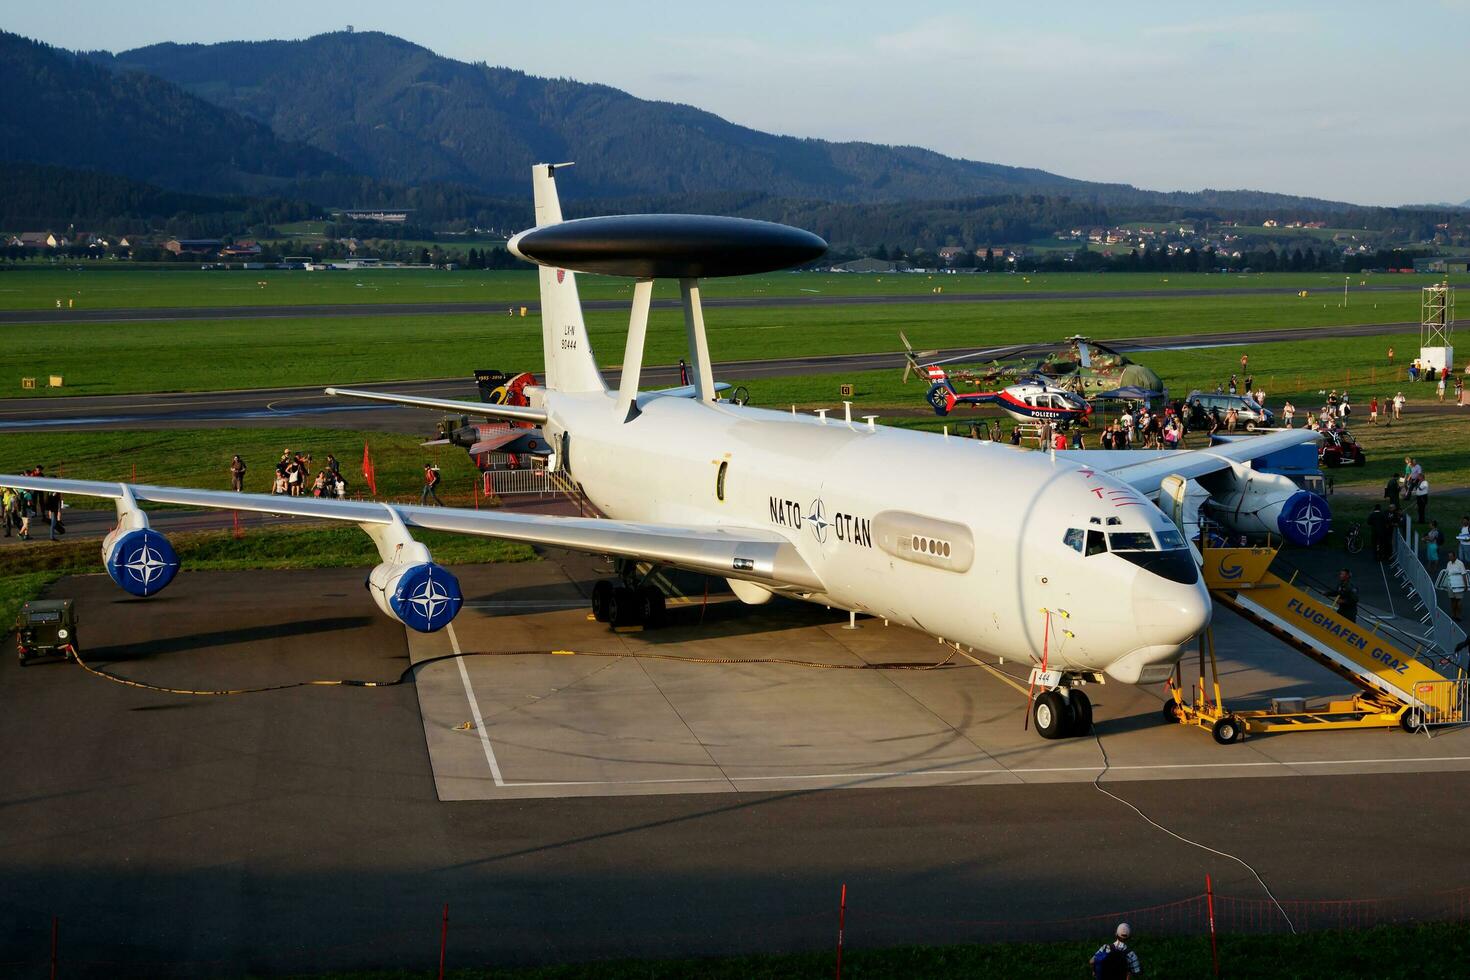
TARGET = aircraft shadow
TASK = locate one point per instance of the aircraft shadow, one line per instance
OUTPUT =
(220, 638)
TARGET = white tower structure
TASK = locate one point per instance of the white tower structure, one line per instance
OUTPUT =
(1436, 324)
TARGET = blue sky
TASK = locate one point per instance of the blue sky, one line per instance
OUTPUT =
(1366, 102)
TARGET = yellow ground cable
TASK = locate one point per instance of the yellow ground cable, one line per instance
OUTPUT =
(347, 682)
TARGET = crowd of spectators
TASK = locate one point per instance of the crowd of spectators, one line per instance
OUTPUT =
(20, 508)
(293, 477)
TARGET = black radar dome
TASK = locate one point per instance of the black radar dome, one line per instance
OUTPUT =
(668, 246)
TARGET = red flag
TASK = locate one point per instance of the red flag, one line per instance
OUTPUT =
(368, 473)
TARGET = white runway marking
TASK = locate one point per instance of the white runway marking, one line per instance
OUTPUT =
(1287, 764)
(469, 693)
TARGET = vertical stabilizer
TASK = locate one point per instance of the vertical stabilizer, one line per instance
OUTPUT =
(570, 365)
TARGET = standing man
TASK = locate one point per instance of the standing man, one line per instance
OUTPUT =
(1454, 583)
(237, 474)
(1114, 960)
(431, 485)
(1377, 529)
(1398, 407)
(1245, 360)
(1421, 496)
(1390, 356)
(1346, 595)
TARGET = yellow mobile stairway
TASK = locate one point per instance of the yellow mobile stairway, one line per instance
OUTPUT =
(1403, 679)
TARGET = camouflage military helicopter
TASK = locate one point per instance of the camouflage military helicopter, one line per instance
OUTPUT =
(1077, 364)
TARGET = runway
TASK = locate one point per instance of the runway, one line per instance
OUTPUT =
(303, 830)
(292, 406)
(153, 314)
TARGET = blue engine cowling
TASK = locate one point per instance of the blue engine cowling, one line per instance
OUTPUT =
(141, 561)
(1305, 518)
(424, 597)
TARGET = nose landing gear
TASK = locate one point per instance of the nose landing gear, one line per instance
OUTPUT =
(1062, 712)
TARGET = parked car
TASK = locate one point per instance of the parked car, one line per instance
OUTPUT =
(1251, 415)
(1339, 448)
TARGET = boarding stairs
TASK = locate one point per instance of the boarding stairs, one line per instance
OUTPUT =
(1405, 678)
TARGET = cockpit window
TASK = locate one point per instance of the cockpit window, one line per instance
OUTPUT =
(1169, 539)
(1131, 541)
(1176, 564)
(1095, 544)
(1073, 538)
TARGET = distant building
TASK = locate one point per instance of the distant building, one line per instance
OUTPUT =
(869, 265)
(1443, 263)
(385, 215)
(193, 246)
(39, 239)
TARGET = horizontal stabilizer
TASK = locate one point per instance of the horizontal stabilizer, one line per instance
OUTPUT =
(683, 391)
(516, 413)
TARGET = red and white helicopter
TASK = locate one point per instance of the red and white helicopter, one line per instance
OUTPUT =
(1031, 399)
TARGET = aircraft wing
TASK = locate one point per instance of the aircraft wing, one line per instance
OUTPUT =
(753, 554)
(1144, 469)
(516, 413)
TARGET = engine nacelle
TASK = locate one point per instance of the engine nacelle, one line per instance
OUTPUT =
(140, 560)
(1248, 502)
(423, 596)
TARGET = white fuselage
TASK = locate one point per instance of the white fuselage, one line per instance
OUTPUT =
(962, 539)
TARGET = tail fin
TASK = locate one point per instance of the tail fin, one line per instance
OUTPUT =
(570, 365)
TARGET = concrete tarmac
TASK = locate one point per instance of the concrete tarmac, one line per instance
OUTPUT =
(307, 404)
(302, 830)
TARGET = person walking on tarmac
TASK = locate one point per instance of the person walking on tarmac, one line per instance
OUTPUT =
(431, 485)
(1346, 595)
(1114, 960)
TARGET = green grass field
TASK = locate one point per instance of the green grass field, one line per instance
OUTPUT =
(201, 458)
(1414, 952)
(98, 285)
(220, 354)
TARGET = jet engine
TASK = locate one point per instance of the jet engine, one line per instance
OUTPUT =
(139, 559)
(423, 596)
(1248, 502)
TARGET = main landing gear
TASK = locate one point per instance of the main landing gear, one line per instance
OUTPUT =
(1062, 712)
(629, 600)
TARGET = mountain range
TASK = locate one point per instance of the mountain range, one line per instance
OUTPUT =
(370, 119)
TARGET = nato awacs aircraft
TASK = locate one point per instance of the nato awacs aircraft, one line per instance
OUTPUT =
(1023, 555)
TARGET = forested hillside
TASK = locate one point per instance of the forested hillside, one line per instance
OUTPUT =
(400, 112)
(64, 110)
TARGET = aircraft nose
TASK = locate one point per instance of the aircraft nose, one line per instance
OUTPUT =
(1169, 612)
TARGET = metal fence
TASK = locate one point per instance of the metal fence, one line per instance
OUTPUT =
(1444, 702)
(528, 477)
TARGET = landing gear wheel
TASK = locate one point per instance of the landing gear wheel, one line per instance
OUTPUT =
(1171, 712)
(1081, 706)
(1412, 720)
(650, 603)
(1228, 730)
(622, 608)
(601, 598)
(1052, 716)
